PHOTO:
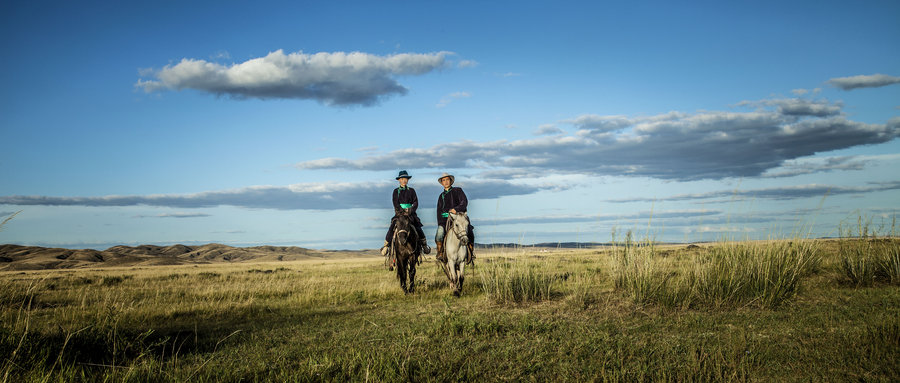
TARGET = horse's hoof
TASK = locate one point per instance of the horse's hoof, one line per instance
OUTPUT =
(390, 268)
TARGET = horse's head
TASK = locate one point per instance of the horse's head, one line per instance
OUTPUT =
(404, 225)
(459, 225)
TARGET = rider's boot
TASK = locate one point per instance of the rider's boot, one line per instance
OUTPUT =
(425, 248)
(440, 252)
(385, 249)
(471, 253)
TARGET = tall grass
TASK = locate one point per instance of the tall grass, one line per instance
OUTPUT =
(637, 270)
(866, 257)
(348, 320)
(742, 273)
(727, 274)
(517, 280)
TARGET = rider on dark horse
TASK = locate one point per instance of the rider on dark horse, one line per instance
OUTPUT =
(452, 200)
(405, 198)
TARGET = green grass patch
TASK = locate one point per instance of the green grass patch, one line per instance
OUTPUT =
(571, 319)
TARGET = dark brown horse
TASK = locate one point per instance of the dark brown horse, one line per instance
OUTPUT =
(403, 249)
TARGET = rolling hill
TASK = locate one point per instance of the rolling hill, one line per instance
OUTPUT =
(16, 257)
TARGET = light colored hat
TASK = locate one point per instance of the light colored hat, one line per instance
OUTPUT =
(452, 178)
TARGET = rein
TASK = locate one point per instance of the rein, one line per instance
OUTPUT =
(451, 227)
(409, 233)
(397, 233)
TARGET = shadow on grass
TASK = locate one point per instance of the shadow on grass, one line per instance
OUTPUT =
(117, 342)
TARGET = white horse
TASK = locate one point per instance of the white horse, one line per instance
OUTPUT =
(455, 240)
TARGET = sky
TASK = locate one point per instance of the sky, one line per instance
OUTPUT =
(286, 123)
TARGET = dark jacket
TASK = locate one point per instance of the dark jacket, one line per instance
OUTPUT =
(454, 198)
(405, 197)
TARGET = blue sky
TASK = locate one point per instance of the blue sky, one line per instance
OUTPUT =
(285, 123)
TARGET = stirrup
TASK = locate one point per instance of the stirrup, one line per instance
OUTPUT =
(425, 248)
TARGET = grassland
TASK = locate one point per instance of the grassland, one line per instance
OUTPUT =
(722, 312)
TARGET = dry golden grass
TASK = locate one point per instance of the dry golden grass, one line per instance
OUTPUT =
(347, 319)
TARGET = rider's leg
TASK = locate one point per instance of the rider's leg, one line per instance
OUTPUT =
(387, 238)
(423, 240)
(439, 243)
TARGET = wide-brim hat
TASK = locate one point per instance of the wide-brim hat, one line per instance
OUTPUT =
(403, 174)
(445, 175)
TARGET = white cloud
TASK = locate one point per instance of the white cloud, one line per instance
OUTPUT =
(446, 100)
(804, 92)
(864, 81)
(336, 78)
(816, 165)
(548, 129)
(776, 193)
(721, 229)
(175, 215)
(306, 196)
(679, 146)
(643, 215)
(221, 55)
(801, 107)
(596, 123)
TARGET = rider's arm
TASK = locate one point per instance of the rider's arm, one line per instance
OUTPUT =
(415, 201)
(395, 197)
(438, 209)
(461, 201)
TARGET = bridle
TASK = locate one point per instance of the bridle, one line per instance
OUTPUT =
(460, 233)
(404, 229)
(397, 234)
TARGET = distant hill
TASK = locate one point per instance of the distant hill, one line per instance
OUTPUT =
(16, 257)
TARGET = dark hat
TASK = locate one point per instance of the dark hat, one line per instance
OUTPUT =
(403, 174)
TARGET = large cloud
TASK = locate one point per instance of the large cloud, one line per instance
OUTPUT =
(864, 81)
(680, 146)
(777, 193)
(175, 215)
(644, 215)
(819, 165)
(313, 196)
(337, 78)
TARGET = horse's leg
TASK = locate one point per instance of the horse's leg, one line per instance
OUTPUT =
(401, 272)
(451, 266)
(412, 273)
(451, 275)
(444, 268)
(461, 274)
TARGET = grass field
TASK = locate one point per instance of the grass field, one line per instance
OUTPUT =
(760, 311)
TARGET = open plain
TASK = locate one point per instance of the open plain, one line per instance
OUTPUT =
(634, 312)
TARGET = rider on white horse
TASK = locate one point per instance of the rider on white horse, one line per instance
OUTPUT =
(452, 200)
(404, 197)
